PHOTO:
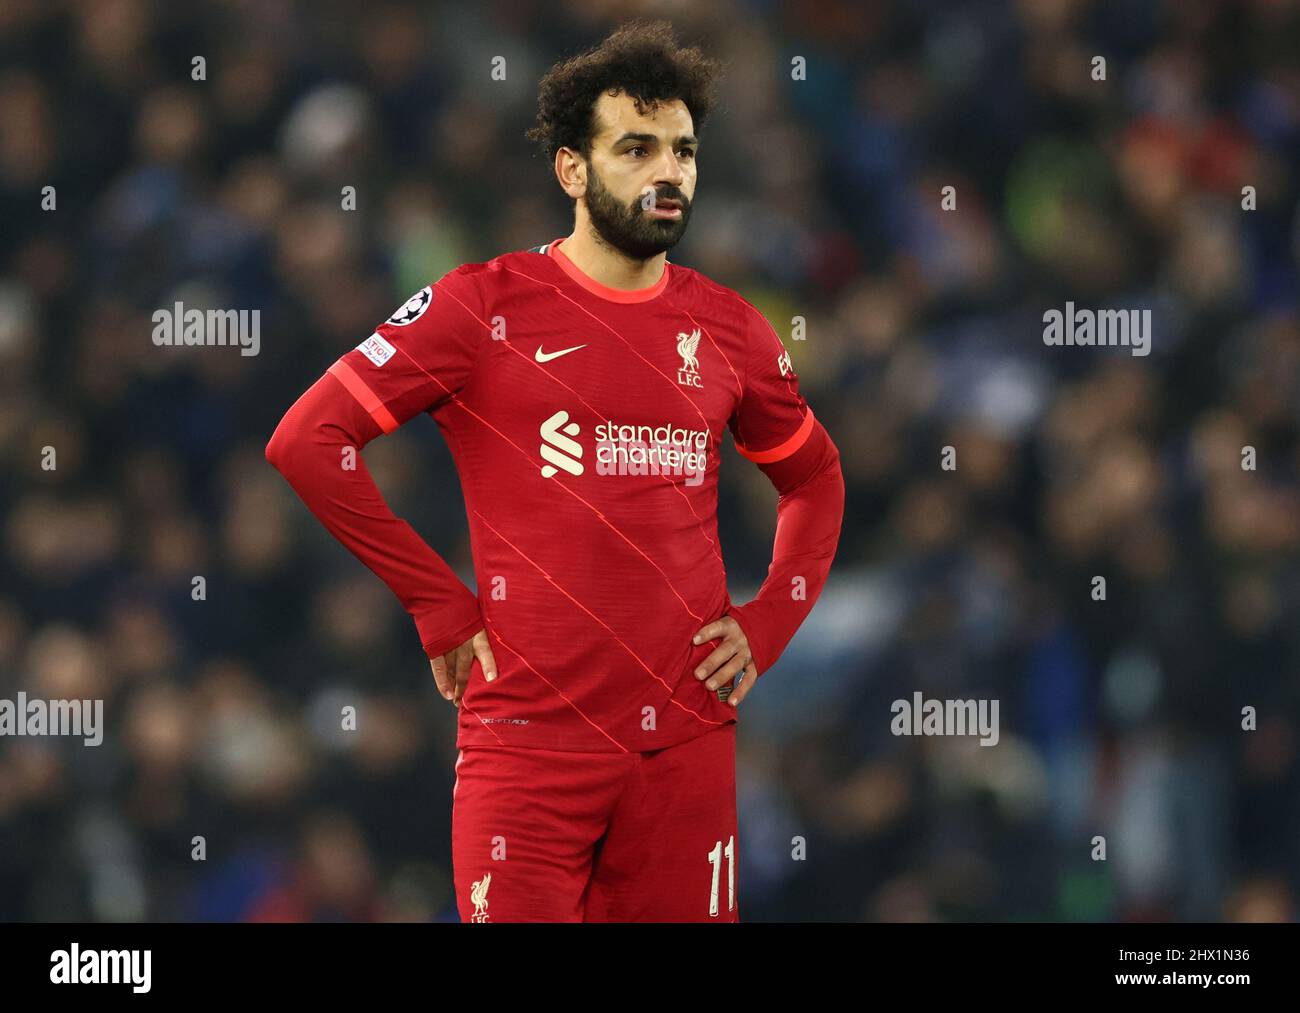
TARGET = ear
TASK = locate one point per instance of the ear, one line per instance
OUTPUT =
(571, 171)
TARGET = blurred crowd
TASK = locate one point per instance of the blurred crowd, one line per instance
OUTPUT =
(225, 788)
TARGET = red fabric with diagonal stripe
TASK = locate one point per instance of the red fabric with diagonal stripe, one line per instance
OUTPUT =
(585, 427)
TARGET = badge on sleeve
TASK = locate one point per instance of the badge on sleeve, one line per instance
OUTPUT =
(413, 308)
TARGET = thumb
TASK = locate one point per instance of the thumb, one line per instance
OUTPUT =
(483, 651)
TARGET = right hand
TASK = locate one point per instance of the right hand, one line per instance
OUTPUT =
(451, 671)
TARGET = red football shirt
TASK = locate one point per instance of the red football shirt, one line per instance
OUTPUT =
(585, 424)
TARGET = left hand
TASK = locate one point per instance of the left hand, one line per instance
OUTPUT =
(730, 659)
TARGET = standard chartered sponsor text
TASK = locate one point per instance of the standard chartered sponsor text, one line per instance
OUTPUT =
(625, 449)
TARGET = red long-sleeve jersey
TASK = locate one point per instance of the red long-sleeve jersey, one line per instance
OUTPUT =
(585, 424)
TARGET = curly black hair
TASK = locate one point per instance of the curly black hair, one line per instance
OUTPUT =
(643, 60)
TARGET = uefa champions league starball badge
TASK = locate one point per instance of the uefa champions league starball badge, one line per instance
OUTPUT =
(413, 308)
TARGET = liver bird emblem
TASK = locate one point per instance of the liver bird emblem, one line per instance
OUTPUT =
(686, 348)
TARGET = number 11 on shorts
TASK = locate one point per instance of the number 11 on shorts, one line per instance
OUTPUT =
(715, 860)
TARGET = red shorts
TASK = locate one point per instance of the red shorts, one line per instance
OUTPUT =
(540, 835)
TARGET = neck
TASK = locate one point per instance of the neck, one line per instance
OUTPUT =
(611, 267)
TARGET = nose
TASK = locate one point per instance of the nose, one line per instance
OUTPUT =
(670, 171)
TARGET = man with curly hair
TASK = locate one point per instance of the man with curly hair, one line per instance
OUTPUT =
(584, 386)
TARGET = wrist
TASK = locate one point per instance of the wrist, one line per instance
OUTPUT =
(437, 639)
(745, 619)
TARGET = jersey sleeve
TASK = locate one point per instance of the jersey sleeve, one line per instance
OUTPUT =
(772, 420)
(307, 448)
(422, 355)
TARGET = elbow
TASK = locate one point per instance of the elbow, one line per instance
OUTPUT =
(831, 474)
(316, 426)
(280, 449)
(834, 467)
(275, 449)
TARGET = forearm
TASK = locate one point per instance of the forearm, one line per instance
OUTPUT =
(810, 512)
(308, 448)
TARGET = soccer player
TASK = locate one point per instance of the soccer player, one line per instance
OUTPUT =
(583, 387)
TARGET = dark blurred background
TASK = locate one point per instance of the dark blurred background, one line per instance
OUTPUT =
(818, 198)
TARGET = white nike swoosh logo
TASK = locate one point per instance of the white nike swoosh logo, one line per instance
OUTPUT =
(548, 356)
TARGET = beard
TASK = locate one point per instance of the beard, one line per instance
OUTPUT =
(629, 228)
